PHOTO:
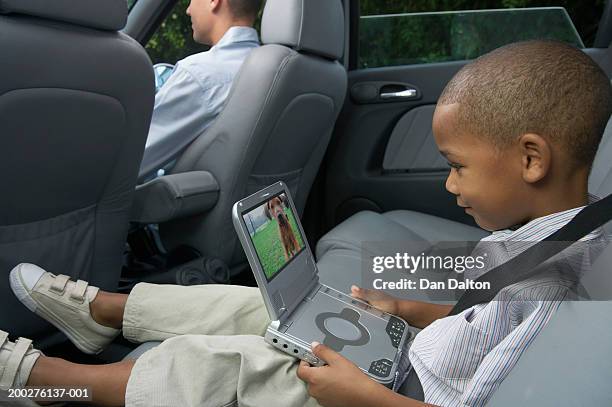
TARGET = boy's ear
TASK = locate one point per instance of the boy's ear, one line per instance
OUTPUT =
(536, 157)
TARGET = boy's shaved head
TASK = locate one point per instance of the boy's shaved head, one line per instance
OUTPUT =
(543, 87)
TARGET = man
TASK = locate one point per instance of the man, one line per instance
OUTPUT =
(195, 93)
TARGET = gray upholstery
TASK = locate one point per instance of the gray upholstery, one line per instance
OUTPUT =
(570, 361)
(314, 26)
(174, 196)
(276, 125)
(600, 181)
(104, 15)
(75, 107)
(393, 226)
(338, 253)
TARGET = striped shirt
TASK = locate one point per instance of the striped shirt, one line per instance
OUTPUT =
(462, 359)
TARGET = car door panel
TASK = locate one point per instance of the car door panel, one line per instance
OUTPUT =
(383, 156)
(411, 146)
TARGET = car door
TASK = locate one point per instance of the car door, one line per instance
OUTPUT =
(401, 55)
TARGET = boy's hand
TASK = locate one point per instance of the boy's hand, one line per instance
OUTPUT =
(377, 299)
(341, 383)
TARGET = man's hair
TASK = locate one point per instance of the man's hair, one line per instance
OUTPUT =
(543, 87)
(245, 8)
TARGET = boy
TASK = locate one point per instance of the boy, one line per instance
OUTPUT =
(520, 127)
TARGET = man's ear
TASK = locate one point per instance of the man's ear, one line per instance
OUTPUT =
(215, 4)
(536, 157)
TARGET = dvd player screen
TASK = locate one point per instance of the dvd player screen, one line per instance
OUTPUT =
(275, 234)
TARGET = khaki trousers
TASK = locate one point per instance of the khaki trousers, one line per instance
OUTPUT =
(213, 352)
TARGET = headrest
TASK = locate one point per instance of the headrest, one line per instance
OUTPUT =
(315, 26)
(108, 15)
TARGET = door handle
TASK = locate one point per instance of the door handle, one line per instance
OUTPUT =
(404, 94)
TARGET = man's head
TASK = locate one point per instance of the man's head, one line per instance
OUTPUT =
(519, 125)
(212, 18)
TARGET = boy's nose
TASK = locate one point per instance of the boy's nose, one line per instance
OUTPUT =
(451, 185)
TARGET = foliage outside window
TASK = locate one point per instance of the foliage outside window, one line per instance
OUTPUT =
(399, 32)
(173, 40)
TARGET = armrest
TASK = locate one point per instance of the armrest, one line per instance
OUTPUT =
(174, 196)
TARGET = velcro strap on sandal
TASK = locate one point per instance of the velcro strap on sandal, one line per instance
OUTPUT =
(12, 366)
(78, 291)
(59, 283)
(3, 338)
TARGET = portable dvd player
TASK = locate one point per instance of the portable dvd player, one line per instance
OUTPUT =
(301, 309)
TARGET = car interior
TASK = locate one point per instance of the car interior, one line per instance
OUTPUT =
(352, 142)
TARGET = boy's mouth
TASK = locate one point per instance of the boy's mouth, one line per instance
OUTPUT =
(465, 208)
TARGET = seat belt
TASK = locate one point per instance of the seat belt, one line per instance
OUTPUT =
(525, 265)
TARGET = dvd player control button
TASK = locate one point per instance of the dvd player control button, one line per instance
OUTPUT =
(381, 368)
(395, 330)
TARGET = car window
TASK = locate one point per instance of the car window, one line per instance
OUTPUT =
(397, 32)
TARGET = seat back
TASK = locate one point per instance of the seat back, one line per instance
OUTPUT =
(570, 362)
(276, 124)
(75, 105)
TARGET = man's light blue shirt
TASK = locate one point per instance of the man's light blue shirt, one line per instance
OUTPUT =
(193, 97)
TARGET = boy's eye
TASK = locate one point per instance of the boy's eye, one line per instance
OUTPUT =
(455, 166)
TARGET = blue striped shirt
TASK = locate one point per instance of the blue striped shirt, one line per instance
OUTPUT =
(462, 359)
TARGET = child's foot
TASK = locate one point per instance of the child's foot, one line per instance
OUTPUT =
(16, 361)
(63, 303)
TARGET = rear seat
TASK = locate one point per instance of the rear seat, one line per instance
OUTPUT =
(338, 252)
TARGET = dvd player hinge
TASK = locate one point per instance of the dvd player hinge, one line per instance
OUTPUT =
(313, 292)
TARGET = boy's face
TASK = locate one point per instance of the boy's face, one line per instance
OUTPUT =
(486, 181)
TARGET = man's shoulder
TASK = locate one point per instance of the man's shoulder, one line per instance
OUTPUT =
(195, 58)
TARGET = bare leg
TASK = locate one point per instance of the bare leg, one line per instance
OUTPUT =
(107, 309)
(107, 382)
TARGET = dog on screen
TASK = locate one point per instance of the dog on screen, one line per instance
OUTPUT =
(275, 209)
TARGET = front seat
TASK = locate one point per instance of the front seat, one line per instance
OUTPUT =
(276, 124)
(76, 99)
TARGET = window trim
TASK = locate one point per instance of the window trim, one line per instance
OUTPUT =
(603, 38)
